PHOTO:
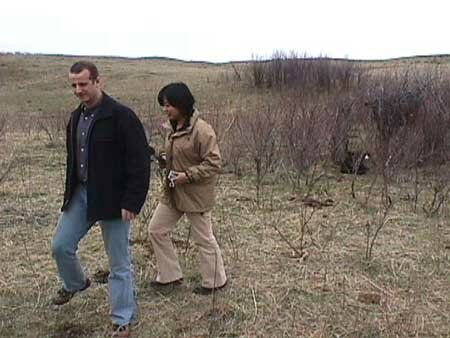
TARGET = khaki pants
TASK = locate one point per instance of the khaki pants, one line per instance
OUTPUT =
(163, 223)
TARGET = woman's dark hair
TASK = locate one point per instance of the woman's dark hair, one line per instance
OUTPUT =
(179, 96)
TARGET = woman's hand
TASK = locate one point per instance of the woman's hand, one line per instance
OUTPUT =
(181, 178)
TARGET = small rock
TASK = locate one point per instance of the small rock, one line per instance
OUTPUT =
(370, 298)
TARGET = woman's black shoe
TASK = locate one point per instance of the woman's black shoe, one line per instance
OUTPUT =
(158, 285)
(201, 290)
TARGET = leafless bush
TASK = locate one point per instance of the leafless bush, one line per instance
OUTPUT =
(300, 71)
(257, 71)
(411, 115)
(155, 132)
(6, 164)
(340, 111)
(440, 195)
(393, 125)
(378, 222)
(305, 130)
(436, 119)
(2, 127)
(236, 72)
(259, 133)
(154, 121)
(303, 219)
(53, 126)
(393, 104)
(230, 144)
(328, 110)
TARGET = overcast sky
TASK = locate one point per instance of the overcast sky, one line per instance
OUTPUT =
(226, 30)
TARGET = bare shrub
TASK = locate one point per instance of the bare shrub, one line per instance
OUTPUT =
(155, 132)
(436, 119)
(305, 137)
(393, 103)
(411, 113)
(340, 111)
(259, 132)
(399, 118)
(302, 219)
(225, 125)
(6, 164)
(440, 193)
(2, 127)
(236, 72)
(300, 71)
(378, 221)
(53, 126)
(305, 130)
(392, 128)
(257, 72)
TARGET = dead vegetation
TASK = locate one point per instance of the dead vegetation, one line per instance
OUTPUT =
(310, 252)
(7, 160)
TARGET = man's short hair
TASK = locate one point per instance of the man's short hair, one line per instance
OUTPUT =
(79, 66)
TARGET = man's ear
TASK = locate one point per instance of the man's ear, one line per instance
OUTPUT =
(99, 82)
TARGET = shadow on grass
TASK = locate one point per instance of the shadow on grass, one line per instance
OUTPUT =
(72, 330)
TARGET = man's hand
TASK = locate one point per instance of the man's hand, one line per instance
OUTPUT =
(128, 215)
(181, 178)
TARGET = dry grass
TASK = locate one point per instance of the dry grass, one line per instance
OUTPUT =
(332, 292)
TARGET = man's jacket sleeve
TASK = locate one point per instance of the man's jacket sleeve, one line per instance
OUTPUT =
(137, 166)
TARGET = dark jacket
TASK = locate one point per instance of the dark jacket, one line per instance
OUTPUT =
(118, 161)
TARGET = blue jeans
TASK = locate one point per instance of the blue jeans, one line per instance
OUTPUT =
(72, 227)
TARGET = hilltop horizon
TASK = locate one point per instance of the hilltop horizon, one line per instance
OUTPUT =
(259, 57)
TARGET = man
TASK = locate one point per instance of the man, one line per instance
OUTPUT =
(107, 180)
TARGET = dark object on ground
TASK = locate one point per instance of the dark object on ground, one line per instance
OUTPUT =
(202, 291)
(121, 331)
(63, 296)
(311, 202)
(355, 163)
(101, 276)
(369, 298)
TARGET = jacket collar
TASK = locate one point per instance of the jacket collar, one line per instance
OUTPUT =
(185, 131)
(104, 109)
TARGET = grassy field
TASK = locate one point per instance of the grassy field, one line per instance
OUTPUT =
(332, 291)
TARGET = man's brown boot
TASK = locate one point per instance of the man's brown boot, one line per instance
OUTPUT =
(63, 296)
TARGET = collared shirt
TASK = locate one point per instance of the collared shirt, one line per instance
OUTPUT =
(82, 142)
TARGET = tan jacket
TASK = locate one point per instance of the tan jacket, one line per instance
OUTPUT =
(194, 151)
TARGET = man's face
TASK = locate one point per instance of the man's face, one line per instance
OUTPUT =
(86, 89)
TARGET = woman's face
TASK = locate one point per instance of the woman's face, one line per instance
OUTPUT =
(172, 113)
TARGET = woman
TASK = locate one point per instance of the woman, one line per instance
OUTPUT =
(192, 161)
